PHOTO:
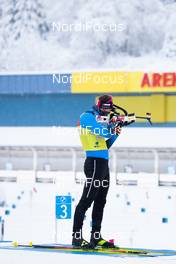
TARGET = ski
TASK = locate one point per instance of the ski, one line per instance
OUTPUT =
(97, 251)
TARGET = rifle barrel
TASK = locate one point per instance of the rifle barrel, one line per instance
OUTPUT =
(143, 117)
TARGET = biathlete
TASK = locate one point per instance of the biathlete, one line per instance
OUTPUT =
(97, 134)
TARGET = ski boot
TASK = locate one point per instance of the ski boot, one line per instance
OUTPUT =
(96, 241)
(79, 241)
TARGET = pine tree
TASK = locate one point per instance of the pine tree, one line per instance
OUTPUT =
(24, 16)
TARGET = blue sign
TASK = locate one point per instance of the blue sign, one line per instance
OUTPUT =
(63, 207)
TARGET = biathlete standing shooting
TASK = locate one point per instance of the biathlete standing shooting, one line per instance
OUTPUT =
(97, 133)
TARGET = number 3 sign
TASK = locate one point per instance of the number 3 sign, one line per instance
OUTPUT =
(63, 207)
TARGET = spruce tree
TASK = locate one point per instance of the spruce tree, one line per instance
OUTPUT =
(23, 16)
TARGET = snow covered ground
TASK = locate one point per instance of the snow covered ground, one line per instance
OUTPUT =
(15, 257)
(34, 220)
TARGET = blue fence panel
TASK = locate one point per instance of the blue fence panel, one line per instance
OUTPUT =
(43, 110)
(35, 84)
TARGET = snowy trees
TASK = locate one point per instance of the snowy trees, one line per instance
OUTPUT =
(23, 17)
(147, 28)
(115, 29)
(21, 21)
(169, 46)
(142, 29)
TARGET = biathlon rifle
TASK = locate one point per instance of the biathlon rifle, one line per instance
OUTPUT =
(126, 119)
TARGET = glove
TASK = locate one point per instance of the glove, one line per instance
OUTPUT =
(117, 130)
(114, 119)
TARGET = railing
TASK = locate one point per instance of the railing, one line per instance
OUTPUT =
(43, 164)
(161, 160)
